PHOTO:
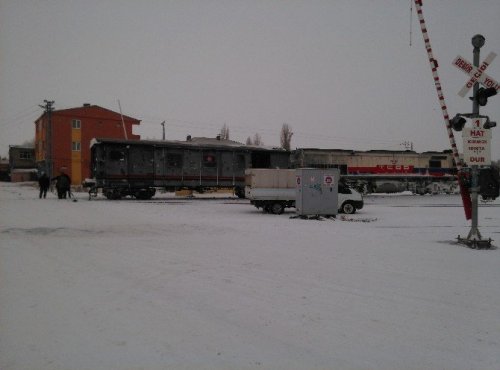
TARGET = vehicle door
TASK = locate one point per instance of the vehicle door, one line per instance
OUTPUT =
(113, 160)
(227, 166)
(141, 165)
(209, 168)
(191, 168)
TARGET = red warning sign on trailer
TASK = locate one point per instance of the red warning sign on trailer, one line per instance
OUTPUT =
(328, 180)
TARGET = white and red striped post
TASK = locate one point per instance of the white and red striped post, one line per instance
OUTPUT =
(464, 191)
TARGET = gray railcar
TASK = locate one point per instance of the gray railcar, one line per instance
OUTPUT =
(137, 168)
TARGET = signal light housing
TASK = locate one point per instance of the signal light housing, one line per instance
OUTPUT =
(483, 94)
(489, 183)
(457, 123)
(489, 124)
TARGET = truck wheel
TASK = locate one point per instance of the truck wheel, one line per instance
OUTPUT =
(348, 208)
(277, 208)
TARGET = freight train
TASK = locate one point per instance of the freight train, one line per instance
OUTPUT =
(137, 168)
(122, 168)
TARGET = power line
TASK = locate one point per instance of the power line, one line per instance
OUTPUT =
(22, 111)
(208, 126)
(20, 118)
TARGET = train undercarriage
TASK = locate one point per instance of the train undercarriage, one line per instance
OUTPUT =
(368, 184)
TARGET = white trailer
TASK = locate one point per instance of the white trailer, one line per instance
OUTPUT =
(273, 190)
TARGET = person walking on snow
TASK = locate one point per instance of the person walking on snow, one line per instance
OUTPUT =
(63, 183)
(43, 183)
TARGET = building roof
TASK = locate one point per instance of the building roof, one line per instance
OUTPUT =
(72, 111)
(27, 147)
(372, 151)
(190, 142)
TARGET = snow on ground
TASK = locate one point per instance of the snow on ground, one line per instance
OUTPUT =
(216, 284)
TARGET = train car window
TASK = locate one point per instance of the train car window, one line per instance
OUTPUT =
(261, 160)
(146, 155)
(116, 155)
(240, 161)
(209, 160)
(435, 163)
(174, 160)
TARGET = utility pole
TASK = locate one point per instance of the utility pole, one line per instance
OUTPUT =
(48, 151)
(163, 124)
(123, 122)
(477, 140)
(474, 235)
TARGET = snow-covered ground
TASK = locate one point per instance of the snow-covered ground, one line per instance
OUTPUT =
(216, 284)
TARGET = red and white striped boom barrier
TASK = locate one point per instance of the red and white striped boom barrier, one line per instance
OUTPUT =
(464, 191)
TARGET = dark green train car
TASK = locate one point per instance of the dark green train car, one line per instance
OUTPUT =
(138, 168)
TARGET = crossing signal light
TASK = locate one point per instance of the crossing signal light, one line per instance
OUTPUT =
(457, 123)
(489, 124)
(483, 94)
(489, 183)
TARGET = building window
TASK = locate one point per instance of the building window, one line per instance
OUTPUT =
(25, 155)
(76, 123)
(75, 146)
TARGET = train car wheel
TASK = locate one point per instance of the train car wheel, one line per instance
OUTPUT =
(144, 194)
(113, 194)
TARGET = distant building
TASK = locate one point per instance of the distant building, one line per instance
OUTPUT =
(4, 169)
(62, 138)
(22, 165)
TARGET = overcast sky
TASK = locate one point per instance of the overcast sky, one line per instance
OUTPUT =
(341, 73)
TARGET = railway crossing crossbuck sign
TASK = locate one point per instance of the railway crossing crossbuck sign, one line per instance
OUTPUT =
(477, 74)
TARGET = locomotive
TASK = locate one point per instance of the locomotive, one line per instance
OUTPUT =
(137, 168)
(383, 170)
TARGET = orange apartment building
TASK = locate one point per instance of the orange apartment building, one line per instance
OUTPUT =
(62, 138)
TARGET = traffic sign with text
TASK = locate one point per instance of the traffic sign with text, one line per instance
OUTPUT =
(477, 144)
(477, 74)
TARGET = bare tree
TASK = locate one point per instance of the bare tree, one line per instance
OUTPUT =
(286, 136)
(257, 140)
(224, 132)
(249, 141)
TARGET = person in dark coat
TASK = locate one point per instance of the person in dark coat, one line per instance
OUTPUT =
(63, 183)
(44, 183)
